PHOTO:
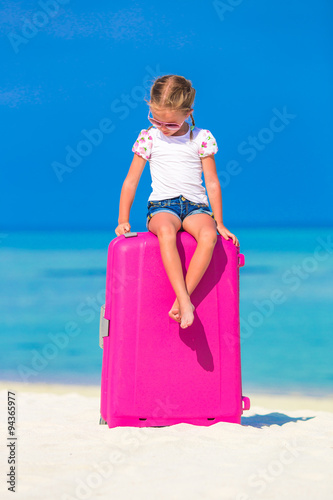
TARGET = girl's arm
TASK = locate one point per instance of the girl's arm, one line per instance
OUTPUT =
(213, 187)
(128, 191)
(215, 196)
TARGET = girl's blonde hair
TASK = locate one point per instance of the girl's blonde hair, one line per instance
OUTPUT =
(172, 92)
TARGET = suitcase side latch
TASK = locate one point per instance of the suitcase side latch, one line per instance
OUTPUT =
(103, 327)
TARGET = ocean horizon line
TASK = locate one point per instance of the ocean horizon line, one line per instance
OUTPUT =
(106, 229)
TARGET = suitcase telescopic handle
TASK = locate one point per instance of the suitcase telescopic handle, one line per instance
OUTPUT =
(130, 234)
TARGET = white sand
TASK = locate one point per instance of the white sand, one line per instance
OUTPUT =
(62, 452)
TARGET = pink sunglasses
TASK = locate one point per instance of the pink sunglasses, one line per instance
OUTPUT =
(169, 126)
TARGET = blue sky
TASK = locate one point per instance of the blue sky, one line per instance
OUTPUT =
(74, 75)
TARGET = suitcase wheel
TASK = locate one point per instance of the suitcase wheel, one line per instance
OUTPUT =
(102, 421)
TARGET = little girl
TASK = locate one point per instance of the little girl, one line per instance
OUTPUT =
(178, 154)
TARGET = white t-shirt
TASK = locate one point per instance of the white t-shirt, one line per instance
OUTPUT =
(175, 164)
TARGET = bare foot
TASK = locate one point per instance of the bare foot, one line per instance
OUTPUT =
(186, 314)
(174, 312)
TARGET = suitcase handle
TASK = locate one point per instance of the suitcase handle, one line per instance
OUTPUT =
(241, 260)
(245, 403)
(130, 234)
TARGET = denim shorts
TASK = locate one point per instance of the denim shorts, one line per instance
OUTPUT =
(179, 206)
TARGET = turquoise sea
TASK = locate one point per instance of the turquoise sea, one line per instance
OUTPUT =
(53, 284)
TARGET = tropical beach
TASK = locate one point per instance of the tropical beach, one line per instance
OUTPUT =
(237, 99)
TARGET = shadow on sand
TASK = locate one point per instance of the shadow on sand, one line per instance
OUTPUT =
(270, 419)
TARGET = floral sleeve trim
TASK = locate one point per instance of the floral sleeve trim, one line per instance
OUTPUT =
(208, 144)
(143, 145)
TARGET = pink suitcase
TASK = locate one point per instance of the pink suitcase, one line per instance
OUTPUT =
(154, 373)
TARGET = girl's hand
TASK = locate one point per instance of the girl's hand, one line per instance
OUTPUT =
(125, 227)
(226, 234)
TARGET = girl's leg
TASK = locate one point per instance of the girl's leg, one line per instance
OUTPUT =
(203, 228)
(166, 225)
